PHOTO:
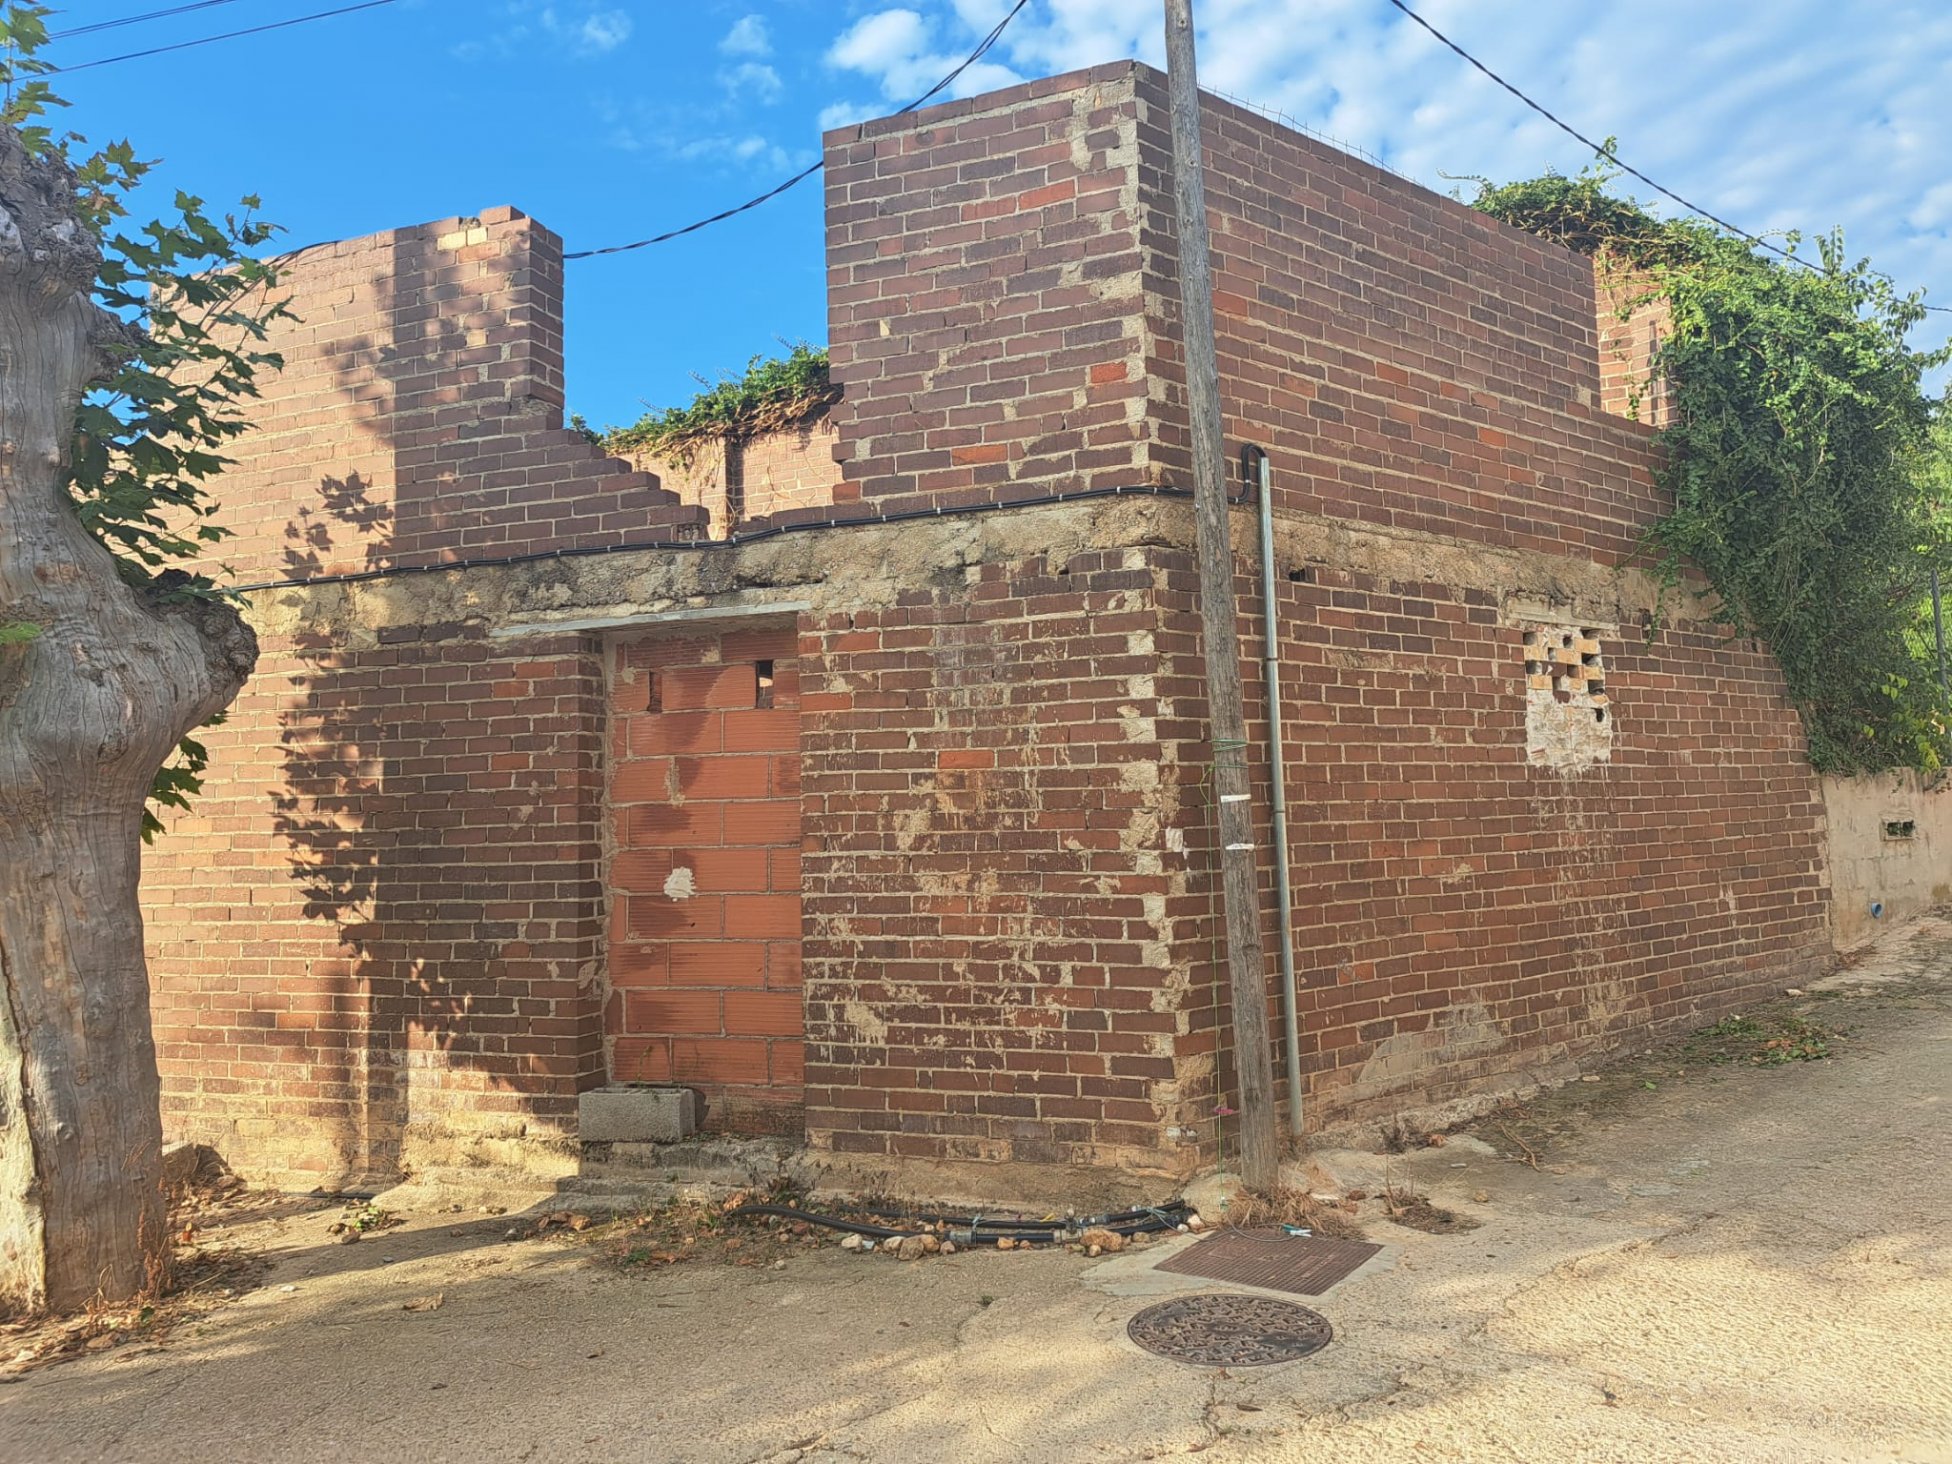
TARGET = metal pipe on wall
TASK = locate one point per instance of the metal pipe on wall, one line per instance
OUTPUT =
(1277, 775)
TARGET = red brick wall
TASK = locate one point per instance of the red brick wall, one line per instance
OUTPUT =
(1416, 369)
(380, 934)
(1630, 332)
(1463, 915)
(1430, 375)
(419, 413)
(987, 964)
(983, 266)
(382, 913)
(1410, 363)
(740, 479)
(704, 872)
(699, 479)
(792, 468)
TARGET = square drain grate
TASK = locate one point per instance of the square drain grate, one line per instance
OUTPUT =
(1271, 1259)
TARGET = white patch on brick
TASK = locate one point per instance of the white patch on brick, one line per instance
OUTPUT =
(680, 884)
(864, 1023)
(1568, 713)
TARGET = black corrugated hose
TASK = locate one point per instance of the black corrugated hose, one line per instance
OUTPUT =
(975, 1229)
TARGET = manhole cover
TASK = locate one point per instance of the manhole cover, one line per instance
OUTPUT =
(1223, 1330)
(1271, 1259)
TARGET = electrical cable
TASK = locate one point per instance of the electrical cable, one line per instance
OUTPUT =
(1615, 159)
(102, 25)
(211, 40)
(771, 531)
(982, 50)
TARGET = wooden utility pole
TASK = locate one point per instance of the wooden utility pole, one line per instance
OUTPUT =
(1246, 967)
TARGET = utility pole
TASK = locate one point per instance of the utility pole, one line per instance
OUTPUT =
(1246, 967)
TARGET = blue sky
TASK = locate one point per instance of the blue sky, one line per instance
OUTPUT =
(613, 119)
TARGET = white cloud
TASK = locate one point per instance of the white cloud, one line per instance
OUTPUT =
(750, 149)
(1800, 114)
(981, 15)
(638, 125)
(846, 114)
(604, 31)
(898, 50)
(878, 42)
(581, 30)
(752, 80)
(748, 37)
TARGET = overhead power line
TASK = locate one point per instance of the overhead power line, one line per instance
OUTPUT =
(1612, 157)
(226, 36)
(982, 50)
(102, 25)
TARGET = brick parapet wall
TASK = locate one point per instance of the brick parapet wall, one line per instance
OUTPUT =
(737, 480)
(418, 417)
(699, 478)
(983, 294)
(1408, 362)
(1632, 324)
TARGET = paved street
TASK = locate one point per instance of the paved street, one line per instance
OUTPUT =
(1739, 1263)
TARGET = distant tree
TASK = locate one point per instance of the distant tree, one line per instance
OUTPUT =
(125, 358)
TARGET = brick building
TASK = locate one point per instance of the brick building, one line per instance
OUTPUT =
(884, 821)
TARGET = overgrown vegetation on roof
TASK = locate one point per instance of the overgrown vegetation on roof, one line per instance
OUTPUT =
(772, 393)
(1808, 468)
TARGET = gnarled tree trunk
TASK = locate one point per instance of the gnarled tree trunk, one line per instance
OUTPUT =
(90, 708)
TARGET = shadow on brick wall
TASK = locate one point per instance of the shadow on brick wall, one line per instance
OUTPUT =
(440, 791)
(331, 746)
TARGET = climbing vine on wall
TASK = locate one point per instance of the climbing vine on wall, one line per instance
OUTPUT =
(771, 393)
(1808, 468)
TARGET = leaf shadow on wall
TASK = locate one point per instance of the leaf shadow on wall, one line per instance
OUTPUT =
(425, 853)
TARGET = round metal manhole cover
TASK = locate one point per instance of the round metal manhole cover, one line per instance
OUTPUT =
(1225, 1330)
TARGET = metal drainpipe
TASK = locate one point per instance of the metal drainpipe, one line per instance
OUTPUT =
(1277, 771)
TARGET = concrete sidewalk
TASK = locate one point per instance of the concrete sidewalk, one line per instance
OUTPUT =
(1737, 1264)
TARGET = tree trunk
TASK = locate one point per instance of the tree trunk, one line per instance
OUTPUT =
(90, 708)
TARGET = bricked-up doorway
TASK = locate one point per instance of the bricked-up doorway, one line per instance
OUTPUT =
(704, 872)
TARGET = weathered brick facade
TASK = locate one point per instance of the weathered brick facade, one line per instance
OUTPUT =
(736, 479)
(386, 911)
(477, 840)
(985, 295)
(1432, 376)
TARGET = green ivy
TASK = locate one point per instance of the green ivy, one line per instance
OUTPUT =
(149, 441)
(1807, 468)
(773, 392)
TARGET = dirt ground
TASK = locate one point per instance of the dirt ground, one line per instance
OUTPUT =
(1716, 1260)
